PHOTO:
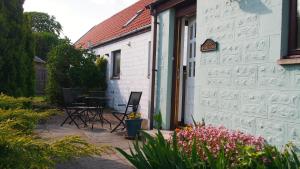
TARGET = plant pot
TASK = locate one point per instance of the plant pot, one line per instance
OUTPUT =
(133, 127)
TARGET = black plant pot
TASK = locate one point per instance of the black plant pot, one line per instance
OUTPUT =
(133, 127)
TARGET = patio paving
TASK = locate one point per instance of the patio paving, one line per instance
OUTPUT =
(51, 129)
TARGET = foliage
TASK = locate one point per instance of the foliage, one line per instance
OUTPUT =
(158, 120)
(217, 139)
(75, 68)
(43, 22)
(16, 50)
(21, 148)
(101, 63)
(8, 102)
(46, 31)
(156, 152)
(134, 115)
(45, 41)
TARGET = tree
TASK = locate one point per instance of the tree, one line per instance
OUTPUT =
(44, 42)
(69, 67)
(42, 22)
(16, 50)
(46, 31)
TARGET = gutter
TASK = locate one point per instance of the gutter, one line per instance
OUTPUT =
(153, 69)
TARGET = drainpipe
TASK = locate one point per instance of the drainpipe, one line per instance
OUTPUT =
(153, 69)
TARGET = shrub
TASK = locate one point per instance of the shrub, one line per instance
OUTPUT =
(21, 148)
(158, 153)
(8, 102)
(69, 67)
(16, 50)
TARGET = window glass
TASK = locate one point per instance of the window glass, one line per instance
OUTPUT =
(190, 69)
(116, 63)
(194, 69)
(298, 24)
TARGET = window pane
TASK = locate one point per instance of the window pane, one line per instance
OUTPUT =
(116, 63)
(191, 32)
(195, 32)
(191, 50)
(190, 69)
(194, 69)
(195, 49)
(298, 24)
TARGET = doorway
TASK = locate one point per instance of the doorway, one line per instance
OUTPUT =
(184, 71)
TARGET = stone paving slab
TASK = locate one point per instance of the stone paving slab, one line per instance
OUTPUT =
(101, 136)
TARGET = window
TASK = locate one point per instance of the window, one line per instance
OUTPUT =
(294, 34)
(116, 60)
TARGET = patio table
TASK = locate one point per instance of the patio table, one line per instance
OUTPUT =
(97, 103)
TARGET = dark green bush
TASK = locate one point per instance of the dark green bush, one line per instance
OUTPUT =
(69, 67)
(16, 50)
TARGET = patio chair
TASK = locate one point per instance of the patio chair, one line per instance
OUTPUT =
(72, 108)
(133, 104)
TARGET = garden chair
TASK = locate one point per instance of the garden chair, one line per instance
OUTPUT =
(73, 109)
(133, 104)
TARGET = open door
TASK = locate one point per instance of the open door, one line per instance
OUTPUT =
(184, 71)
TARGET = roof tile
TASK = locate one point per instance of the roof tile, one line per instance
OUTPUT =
(113, 27)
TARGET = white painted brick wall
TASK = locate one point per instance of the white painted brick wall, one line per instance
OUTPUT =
(134, 71)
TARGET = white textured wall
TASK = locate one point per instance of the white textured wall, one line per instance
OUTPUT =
(134, 71)
(241, 86)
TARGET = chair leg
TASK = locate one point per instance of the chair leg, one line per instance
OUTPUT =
(121, 122)
(69, 115)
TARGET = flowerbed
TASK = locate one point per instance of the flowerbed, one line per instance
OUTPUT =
(216, 139)
(207, 147)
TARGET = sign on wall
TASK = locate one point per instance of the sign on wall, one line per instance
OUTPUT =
(209, 46)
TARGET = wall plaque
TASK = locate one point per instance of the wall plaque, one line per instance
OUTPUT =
(209, 45)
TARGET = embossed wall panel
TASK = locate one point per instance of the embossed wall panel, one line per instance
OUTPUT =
(241, 85)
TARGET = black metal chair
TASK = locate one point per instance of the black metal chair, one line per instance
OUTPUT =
(73, 109)
(133, 104)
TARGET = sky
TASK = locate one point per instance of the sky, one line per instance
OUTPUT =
(78, 16)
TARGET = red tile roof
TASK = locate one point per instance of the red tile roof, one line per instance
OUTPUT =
(114, 26)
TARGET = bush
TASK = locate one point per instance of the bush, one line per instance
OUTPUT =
(8, 102)
(69, 67)
(16, 50)
(21, 148)
(158, 153)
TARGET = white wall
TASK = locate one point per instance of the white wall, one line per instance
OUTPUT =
(241, 86)
(134, 71)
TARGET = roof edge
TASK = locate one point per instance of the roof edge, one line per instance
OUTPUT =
(138, 31)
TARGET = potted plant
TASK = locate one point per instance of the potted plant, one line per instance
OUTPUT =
(133, 124)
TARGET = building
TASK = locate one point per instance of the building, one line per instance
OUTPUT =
(40, 75)
(125, 39)
(230, 62)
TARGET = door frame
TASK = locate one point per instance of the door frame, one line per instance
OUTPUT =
(181, 12)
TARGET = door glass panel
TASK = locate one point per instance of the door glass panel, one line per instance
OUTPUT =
(194, 49)
(190, 69)
(191, 50)
(191, 32)
(194, 69)
(195, 32)
(298, 24)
